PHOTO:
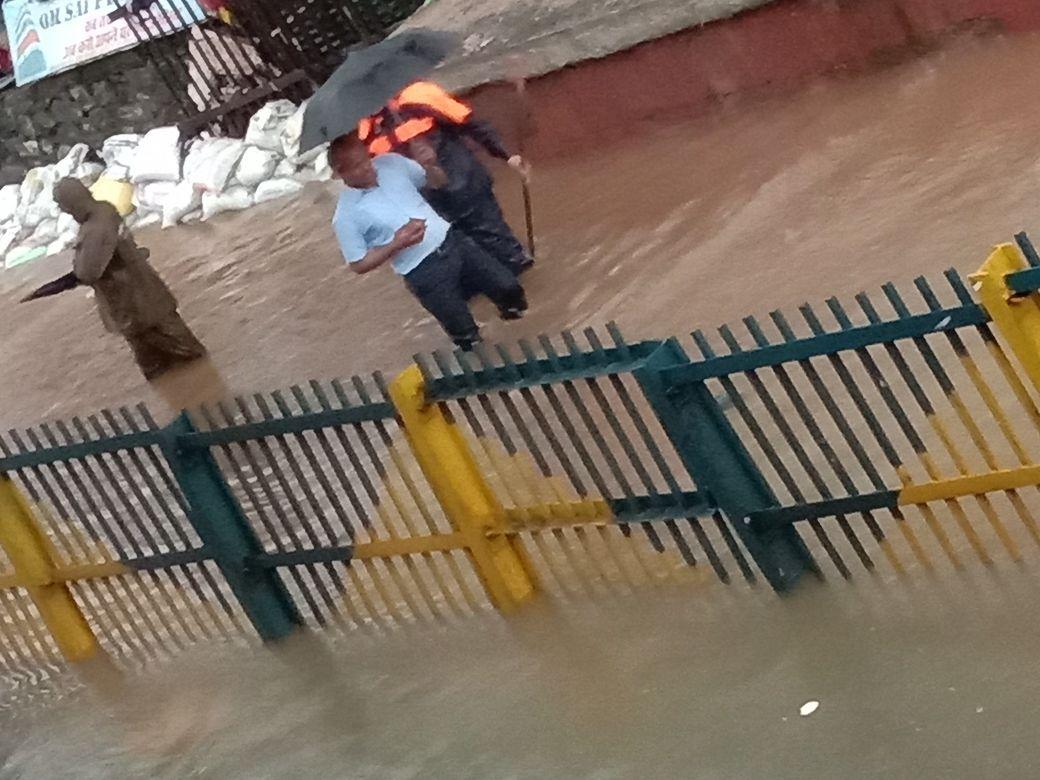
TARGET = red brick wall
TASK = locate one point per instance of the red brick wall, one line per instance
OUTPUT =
(769, 49)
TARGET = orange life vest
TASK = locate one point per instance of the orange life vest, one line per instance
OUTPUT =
(421, 94)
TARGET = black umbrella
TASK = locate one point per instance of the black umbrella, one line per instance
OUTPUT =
(368, 79)
(58, 286)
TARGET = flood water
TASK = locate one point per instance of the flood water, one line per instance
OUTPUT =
(851, 182)
(922, 683)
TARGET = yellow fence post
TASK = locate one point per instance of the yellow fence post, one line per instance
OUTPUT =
(460, 487)
(34, 565)
(1016, 318)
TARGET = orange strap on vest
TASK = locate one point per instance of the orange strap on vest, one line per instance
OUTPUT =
(420, 94)
(426, 93)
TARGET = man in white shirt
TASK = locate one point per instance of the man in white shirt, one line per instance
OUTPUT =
(382, 217)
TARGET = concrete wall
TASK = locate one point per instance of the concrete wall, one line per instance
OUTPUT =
(770, 49)
(118, 94)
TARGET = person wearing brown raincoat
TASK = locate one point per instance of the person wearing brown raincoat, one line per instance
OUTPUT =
(132, 299)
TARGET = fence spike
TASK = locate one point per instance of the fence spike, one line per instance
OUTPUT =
(509, 367)
(341, 394)
(320, 394)
(1028, 250)
(927, 293)
(421, 360)
(550, 351)
(756, 331)
(362, 390)
(961, 289)
(572, 347)
(594, 341)
(898, 304)
(783, 326)
(730, 339)
(868, 308)
(702, 343)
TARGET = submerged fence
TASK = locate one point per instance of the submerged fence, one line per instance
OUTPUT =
(893, 438)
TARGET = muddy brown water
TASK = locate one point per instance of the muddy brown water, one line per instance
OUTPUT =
(845, 185)
(851, 182)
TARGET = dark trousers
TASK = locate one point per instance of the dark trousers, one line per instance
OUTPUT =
(475, 211)
(438, 284)
(161, 347)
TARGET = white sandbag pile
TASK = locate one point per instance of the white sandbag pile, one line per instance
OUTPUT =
(172, 182)
(30, 223)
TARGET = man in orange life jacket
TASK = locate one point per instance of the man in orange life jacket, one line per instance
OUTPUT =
(468, 202)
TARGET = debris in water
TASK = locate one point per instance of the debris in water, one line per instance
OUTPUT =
(809, 708)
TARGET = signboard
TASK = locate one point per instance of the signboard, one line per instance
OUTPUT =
(49, 36)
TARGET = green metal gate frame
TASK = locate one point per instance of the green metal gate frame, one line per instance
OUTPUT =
(477, 481)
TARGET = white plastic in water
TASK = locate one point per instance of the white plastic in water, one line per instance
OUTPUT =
(808, 708)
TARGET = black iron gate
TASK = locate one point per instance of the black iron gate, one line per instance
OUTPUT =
(259, 50)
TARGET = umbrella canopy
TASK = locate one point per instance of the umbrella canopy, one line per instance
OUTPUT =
(368, 79)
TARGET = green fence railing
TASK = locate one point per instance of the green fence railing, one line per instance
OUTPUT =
(885, 441)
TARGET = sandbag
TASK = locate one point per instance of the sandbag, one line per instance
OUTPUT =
(276, 188)
(256, 165)
(36, 181)
(285, 170)
(139, 220)
(322, 168)
(23, 254)
(291, 140)
(211, 162)
(8, 238)
(71, 161)
(157, 157)
(120, 150)
(44, 234)
(233, 199)
(182, 200)
(116, 172)
(266, 125)
(36, 197)
(10, 197)
(61, 243)
(41, 210)
(88, 173)
(119, 193)
(291, 133)
(67, 223)
(150, 197)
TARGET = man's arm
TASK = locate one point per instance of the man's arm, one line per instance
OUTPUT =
(379, 256)
(423, 153)
(409, 235)
(484, 134)
(480, 131)
(98, 239)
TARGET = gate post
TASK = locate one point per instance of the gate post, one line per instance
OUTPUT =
(1016, 315)
(468, 501)
(721, 466)
(34, 565)
(220, 523)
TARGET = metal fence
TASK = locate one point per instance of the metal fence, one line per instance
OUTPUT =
(889, 440)
(260, 51)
